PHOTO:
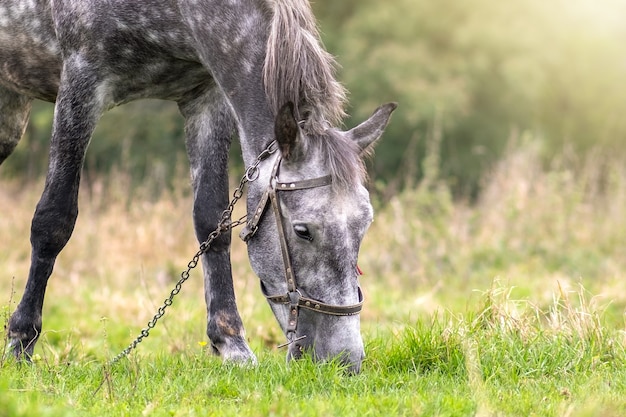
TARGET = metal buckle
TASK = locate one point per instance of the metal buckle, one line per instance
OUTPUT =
(247, 233)
(294, 297)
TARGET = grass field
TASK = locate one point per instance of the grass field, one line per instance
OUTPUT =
(512, 305)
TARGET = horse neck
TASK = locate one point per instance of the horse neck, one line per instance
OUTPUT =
(255, 140)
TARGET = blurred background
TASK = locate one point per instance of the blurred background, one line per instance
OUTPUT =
(473, 79)
(504, 165)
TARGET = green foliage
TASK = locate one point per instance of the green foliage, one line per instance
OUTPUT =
(474, 72)
(143, 140)
(506, 360)
(426, 347)
(486, 69)
(442, 336)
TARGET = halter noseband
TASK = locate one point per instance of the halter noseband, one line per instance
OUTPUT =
(293, 297)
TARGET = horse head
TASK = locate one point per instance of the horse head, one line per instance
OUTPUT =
(309, 210)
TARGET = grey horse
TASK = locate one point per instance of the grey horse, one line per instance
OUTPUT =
(252, 66)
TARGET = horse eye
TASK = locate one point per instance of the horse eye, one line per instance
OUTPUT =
(302, 232)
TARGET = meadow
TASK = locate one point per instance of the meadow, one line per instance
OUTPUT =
(509, 305)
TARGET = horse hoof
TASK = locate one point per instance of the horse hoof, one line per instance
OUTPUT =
(237, 353)
(21, 349)
(241, 359)
(22, 337)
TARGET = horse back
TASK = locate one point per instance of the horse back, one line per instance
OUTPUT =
(137, 49)
(30, 61)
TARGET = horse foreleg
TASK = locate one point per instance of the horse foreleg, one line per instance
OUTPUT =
(209, 129)
(76, 112)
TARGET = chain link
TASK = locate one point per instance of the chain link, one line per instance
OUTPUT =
(225, 224)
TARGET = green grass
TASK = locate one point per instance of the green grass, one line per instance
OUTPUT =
(510, 306)
(475, 364)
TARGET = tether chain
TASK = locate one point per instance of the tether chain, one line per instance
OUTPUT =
(225, 224)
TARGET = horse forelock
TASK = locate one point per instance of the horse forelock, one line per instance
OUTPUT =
(298, 69)
(342, 157)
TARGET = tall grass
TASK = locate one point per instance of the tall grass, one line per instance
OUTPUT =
(510, 305)
(502, 359)
(535, 226)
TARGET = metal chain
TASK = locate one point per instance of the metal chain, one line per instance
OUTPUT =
(225, 224)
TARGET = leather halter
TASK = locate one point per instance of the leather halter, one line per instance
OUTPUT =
(293, 297)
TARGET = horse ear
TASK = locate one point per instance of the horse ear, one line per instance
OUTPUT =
(287, 133)
(372, 129)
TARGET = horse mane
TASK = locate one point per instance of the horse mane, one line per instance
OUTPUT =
(298, 69)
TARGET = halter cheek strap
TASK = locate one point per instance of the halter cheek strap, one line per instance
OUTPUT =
(293, 297)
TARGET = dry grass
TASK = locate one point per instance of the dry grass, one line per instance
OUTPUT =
(543, 232)
(120, 264)
(510, 306)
